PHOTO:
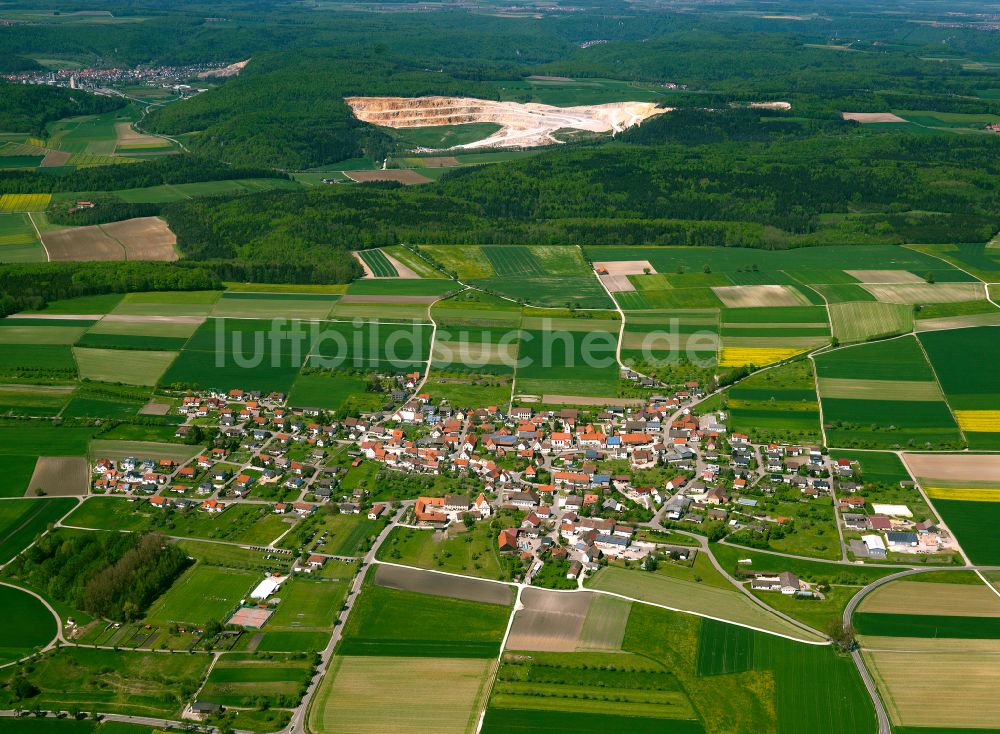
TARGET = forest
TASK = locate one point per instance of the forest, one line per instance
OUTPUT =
(29, 108)
(111, 575)
(839, 185)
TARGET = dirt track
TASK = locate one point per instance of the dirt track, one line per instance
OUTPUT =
(523, 125)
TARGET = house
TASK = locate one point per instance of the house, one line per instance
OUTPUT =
(482, 506)
(376, 511)
(854, 521)
(575, 567)
(524, 500)
(507, 540)
(456, 503)
(785, 582)
(316, 561)
(213, 506)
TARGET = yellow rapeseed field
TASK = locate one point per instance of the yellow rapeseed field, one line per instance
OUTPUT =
(969, 494)
(979, 421)
(760, 356)
(24, 202)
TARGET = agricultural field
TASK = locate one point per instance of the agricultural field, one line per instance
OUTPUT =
(409, 695)
(556, 362)
(865, 321)
(738, 680)
(876, 466)
(926, 602)
(144, 238)
(18, 240)
(548, 276)
(883, 395)
(693, 597)
(175, 304)
(803, 265)
(958, 357)
(238, 304)
(548, 621)
(28, 627)
(22, 520)
(653, 339)
(24, 202)
(959, 698)
(777, 405)
(376, 263)
(765, 335)
(132, 367)
(580, 685)
(326, 390)
(420, 267)
(392, 623)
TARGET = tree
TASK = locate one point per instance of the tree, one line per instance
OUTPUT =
(842, 636)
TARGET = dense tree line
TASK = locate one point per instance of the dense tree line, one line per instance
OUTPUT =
(32, 285)
(29, 108)
(755, 189)
(111, 575)
(174, 169)
(106, 209)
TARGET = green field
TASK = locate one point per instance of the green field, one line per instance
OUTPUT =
(251, 524)
(387, 622)
(744, 681)
(324, 390)
(242, 304)
(777, 405)
(769, 263)
(471, 553)
(28, 627)
(251, 680)
(876, 466)
(694, 597)
(567, 363)
(926, 625)
(442, 136)
(307, 606)
(22, 520)
(201, 595)
(129, 682)
(973, 523)
(864, 321)
(378, 263)
(345, 534)
(18, 241)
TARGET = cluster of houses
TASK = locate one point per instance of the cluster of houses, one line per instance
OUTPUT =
(890, 528)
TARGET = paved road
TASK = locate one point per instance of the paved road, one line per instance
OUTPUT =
(301, 712)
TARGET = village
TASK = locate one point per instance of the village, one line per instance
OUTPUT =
(565, 491)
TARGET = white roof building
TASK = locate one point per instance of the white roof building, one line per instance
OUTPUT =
(267, 587)
(892, 510)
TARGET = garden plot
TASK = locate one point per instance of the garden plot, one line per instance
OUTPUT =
(925, 292)
(59, 476)
(549, 621)
(758, 296)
